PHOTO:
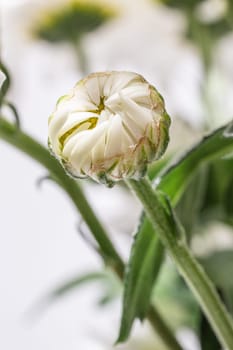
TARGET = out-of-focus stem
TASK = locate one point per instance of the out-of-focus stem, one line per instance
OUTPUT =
(161, 328)
(81, 57)
(14, 136)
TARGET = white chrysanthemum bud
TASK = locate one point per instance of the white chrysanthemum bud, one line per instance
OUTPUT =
(109, 127)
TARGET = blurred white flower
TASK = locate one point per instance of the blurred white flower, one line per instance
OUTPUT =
(109, 127)
(11, 3)
(212, 10)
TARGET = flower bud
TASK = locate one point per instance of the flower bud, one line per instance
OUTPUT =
(109, 127)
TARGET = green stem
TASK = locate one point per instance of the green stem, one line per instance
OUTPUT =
(189, 268)
(28, 145)
(14, 136)
(80, 56)
(161, 328)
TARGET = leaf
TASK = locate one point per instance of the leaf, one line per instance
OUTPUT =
(65, 288)
(147, 254)
(142, 270)
(156, 167)
(74, 283)
(112, 286)
(190, 205)
(208, 194)
(217, 202)
(219, 267)
(110, 283)
(173, 180)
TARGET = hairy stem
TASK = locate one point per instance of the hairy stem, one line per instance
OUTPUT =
(169, 232)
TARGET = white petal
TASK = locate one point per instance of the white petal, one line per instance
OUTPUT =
(120, 132)
(85, 142)
(120, 80)
(97, 153)
(134, 117)
(92, 89)
(113, 102)
(104, 115)
(75, 119)
(102, 78)
(55, 125)
(128, 140)
(133, 130)
(70, 145)
(114, 137)
(138, 114)
(108, 85)
(81, 100)
(139, 93)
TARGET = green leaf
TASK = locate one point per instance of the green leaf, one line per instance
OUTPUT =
(75, 282)
(146, 254)
(205, 181)
(143, 268)
(156, 167)
(217, 202)
(67, 287)
(219, 267)
(190, 205)
(174, 179)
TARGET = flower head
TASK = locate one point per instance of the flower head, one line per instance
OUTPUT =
(109, 127)
(71, 20)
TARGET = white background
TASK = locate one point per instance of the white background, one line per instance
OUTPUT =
(39, 243)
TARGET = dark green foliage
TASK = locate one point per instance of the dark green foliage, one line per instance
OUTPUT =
(71, 22)
(182, 4)
(174, 178)
(208, 339)
(218, 195)
(191, 202)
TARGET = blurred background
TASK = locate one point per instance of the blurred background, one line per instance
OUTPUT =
(185, 49)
